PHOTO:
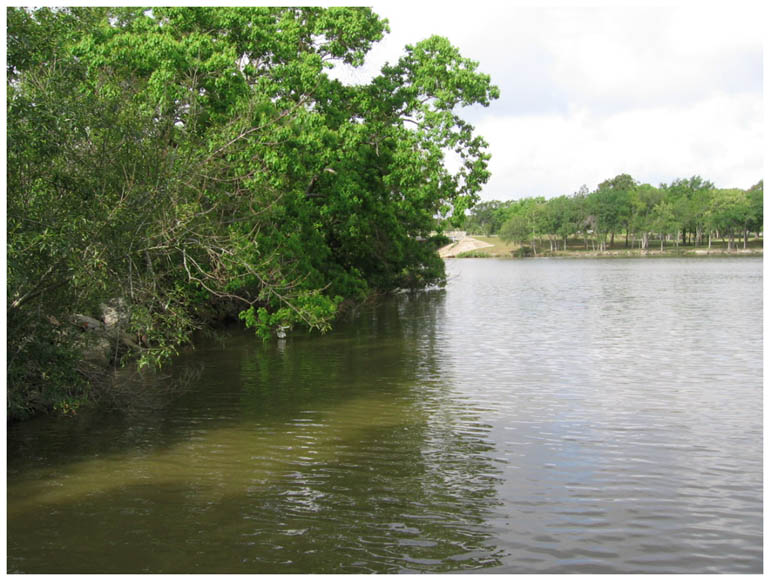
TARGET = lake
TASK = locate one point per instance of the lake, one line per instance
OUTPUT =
(535, 416)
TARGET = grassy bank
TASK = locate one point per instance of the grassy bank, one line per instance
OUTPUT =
(576, 248)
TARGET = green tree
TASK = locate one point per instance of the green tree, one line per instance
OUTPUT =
(643, 201)
(730, 215)
(689, 199)
(516, 229)
(756, 207)
(663, 220)
(199, 161)
(485, 218)
(611, 207)
(566, 217)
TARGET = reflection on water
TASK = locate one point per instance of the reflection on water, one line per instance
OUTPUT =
(626, 403)
(321, 455)
(535, 416)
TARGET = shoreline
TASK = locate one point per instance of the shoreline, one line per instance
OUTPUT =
(615, 254)
(489, 247)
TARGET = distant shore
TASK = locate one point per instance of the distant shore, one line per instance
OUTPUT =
(493, 247)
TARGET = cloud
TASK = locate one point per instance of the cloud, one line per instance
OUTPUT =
(659, 92)
(615, 59)
(551, 155)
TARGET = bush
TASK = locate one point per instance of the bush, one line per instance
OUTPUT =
(42, 371)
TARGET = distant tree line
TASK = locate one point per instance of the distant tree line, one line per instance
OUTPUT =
(687, 211)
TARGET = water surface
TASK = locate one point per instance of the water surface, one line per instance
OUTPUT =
(535, 416)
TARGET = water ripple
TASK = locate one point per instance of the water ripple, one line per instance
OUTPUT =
(536, 417)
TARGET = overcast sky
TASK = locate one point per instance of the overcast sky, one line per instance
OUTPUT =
(587, 93)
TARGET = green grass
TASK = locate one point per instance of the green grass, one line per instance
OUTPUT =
(498, 248)
(478, 253)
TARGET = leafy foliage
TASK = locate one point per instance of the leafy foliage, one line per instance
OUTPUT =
(186, 160)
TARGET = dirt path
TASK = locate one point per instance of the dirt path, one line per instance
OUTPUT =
(464, 245)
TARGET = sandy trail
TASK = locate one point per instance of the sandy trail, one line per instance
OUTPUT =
(464, 245)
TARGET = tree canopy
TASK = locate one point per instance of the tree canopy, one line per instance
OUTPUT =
(190, 160)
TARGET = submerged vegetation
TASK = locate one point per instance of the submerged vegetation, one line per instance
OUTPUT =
(174, 166)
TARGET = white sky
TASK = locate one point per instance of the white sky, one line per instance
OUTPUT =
(658, 92)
